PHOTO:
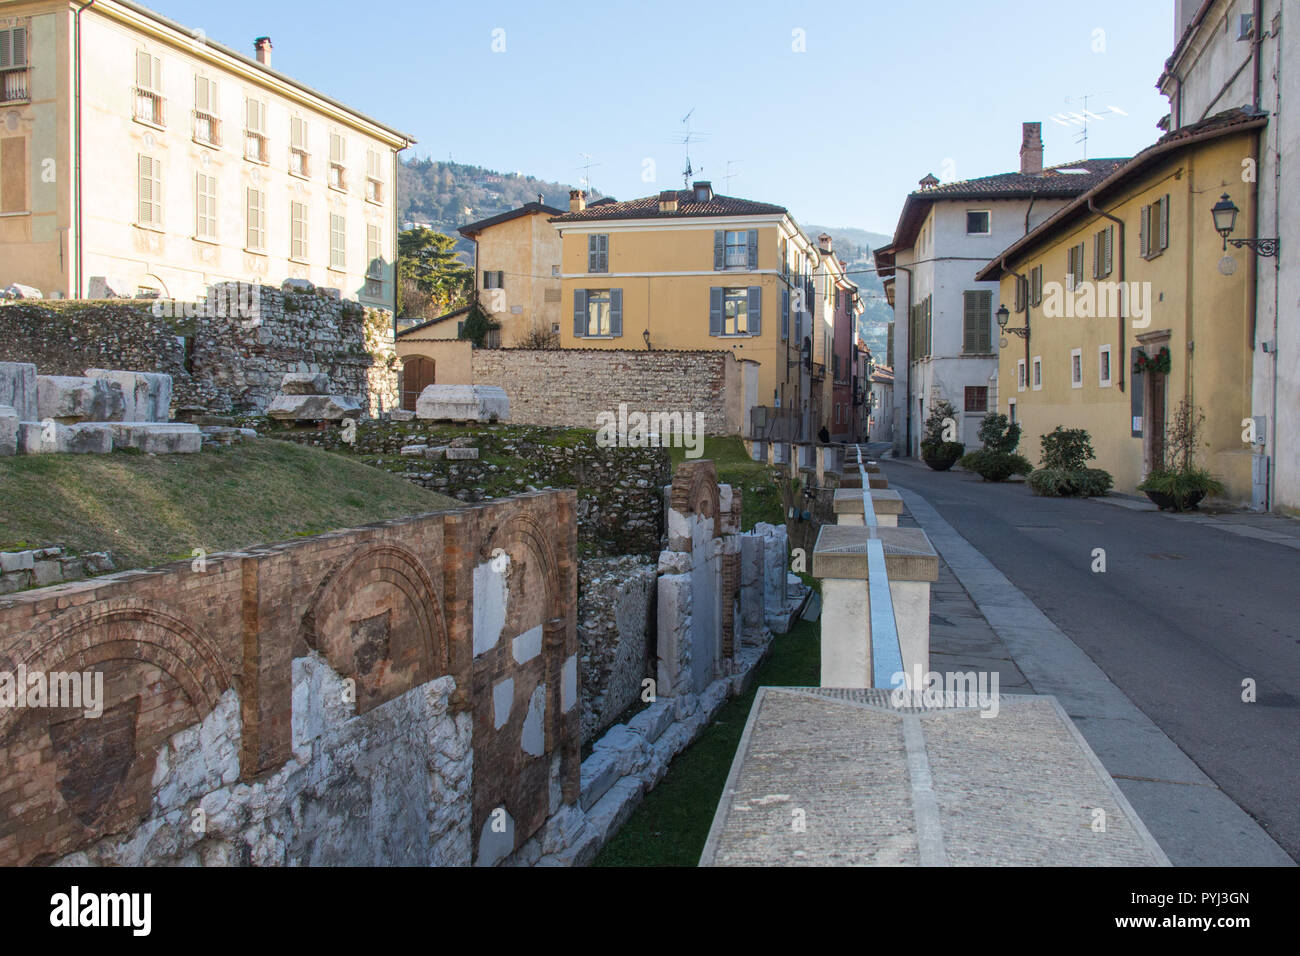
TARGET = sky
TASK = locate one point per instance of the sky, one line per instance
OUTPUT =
(832, 109)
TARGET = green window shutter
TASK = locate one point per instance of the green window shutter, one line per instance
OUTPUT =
(579, 312)
(751, 249)
(719, 250)
(968, 316)
(616, 312)
(1164, 224)
(984, 319)
(715, 311)
(1144, 231)
(1109, 243)
(755, 307)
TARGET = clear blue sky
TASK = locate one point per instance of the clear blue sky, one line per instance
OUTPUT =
(882, 93)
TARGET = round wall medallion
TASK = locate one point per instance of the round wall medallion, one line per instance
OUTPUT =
(12, 119)
(149, 140)
(206, 160)
(1227, 265)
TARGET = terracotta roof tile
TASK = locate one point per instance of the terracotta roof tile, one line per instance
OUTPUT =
(648, 208)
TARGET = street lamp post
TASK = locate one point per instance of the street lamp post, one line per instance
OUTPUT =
(1004, 316)
(1225, 221)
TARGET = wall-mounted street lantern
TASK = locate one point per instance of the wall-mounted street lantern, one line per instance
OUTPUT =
(645, 334)
(1225, 221)
(1004, 316)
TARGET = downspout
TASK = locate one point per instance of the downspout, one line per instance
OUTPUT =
(76, 184)
(1029, 369)
(1123, 299)
(908, 358)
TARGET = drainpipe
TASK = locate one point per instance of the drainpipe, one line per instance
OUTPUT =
(908, 357)
(76, 184)
(1123, 348)
(1029, 369)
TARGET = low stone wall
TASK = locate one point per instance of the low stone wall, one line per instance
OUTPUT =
(41, 567)
(231, 356)
(573, 386)
(401, 693)
(616, 615)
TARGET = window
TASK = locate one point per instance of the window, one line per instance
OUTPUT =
(256, 220)
(1011, 411)
(494, 280)
(1153, 228)
(555, 272)
(255, 131)
(1103, 367)
(1103, 253)
(1073, 267)
(1022, 293)
(977, 398)
(374, 177)
(150, 192)
(977, 322)
(598, 253)
(298, 231)
(735, 312)
(338, 242)
(598, 312)
(207, 125)
(1036, 285)
(375, 255)
(785, 315)
(205, 206)
(737, 249)
(149, 105)
(1076, 368)
(13, 174)
(299, 155)
(338, 161)
(920, 326)
(977, 223)
(13, 65)
(1021, 381)
(1038, 372)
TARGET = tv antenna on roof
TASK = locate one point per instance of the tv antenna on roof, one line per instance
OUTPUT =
(685, 139)
(730, 175)
(586, 171)
(1081, 118)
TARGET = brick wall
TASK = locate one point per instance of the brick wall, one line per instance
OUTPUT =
(572, 386)
(304, 669)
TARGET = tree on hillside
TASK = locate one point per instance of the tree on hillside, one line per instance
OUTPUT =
(430, 278)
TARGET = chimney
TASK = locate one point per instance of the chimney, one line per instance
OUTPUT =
(668, 200)
(703, 190)
(263, 47)
(577, 200)
(541, 199)
(929, 182)
(1031, 149)
(824, 242)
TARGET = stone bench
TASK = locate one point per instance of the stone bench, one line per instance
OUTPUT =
(887, 504)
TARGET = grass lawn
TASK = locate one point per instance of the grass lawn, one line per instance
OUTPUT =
(152, 509)
(761, 501)
(670, 826)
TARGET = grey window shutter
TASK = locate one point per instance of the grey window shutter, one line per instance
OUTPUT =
(1164, 223)
(785, 315)
(1110, 249)
(579, 312)
(616, 312)
(751, 248)
(715, 311)
(1144, 232)
(591, 253)
(719, 249)
(755, 306)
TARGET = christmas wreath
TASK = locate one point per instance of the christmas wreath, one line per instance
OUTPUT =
(1162, 363)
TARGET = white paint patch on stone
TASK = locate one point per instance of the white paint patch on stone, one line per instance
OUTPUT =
(569, 684)
(503, 698)
(527, 645)
(490, 597)
(533, 737)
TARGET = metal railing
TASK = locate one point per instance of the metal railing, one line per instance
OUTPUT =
(886, 651)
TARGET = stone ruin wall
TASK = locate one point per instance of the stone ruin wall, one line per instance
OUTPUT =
(218, 362)
(401, 693)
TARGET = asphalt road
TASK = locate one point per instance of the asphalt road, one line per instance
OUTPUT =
(1182, 615)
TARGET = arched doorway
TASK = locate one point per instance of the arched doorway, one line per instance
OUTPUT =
(417, 374)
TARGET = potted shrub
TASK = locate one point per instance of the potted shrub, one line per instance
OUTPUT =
(1064, 473)
(1178, 483)
(997, 460)
(936, 450)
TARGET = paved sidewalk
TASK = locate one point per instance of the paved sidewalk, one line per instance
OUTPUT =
(980, 620)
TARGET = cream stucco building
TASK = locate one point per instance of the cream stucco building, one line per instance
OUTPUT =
(138, 157)
(517, 273)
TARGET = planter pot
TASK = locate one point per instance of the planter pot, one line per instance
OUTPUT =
(1185, 502)
(941, 462)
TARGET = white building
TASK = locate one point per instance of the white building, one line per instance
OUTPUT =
(945, 333)
(1235, 53)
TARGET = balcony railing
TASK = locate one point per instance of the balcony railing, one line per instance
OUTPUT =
(13, 86)
(207, 128)
(150, 107)
(254, 146)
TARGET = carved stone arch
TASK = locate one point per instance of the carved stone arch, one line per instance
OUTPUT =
(522, 529)
(695, 491)
(377, 617)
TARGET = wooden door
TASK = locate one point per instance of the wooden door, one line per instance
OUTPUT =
(417, 374)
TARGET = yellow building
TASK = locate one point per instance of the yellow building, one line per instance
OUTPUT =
(517, 273)
(688, 269)
(138, 156)
(1135, 265)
